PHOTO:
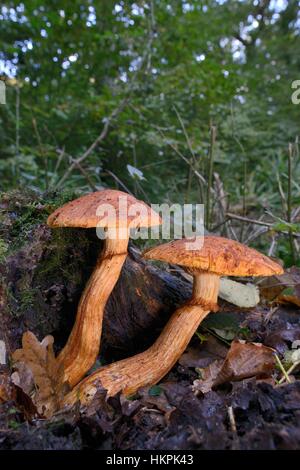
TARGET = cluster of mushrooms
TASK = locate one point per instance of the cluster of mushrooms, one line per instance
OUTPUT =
(217, 257)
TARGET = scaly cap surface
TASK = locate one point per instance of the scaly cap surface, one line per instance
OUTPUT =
(218, 255)
(82, 212)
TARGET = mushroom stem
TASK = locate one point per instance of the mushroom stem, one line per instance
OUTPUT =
(82, 347)
(148, 367)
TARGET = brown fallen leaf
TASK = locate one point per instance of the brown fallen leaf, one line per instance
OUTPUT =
(244, 360)
(288, 299)
(204, 354)
(9, 391)
(282, 339)
(5, 388)
(271, 287)
(37, 373)
(282, 289)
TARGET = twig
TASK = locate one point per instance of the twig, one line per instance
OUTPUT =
(282, 369)
(17, 120)
(193, 160)
(63, 154)
(270, 313)
(17, 128)
(232, 419)
(118, 181)
(96, 142)
(221, 199)
(282, 195)
(251, 221)
(257, 233)
(289, 200)
(43, 155)
(289, 194)
(210, 173)
(185, 134)
(237, 140)
(85, 174)
(186, 160)
(259, 222)
(135, 165)
(272, 246)
(288, 372)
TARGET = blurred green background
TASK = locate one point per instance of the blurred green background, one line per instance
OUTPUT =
(174, 101)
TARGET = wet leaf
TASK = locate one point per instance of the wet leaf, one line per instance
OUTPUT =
(38, 374)
(244, 360)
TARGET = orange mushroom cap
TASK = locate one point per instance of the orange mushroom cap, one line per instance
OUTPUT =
(217, 255)
(82, 212)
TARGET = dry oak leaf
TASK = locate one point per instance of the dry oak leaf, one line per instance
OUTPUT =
(243, 360)
(38, 373)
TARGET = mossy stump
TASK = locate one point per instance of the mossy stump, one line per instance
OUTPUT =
(43, 273)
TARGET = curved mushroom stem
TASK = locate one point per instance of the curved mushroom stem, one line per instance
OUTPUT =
(148, 367)
(82, 347)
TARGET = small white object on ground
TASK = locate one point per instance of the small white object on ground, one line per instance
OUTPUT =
(2, 352)
(242, 295)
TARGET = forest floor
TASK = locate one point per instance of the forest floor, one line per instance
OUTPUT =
(244, 414)
(229, 390)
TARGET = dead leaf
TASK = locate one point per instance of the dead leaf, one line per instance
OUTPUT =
(281, 339)
(25, 404)
(282, 289)
(204, 354)
(288, 299)
(208, 377)
(5, 388)
(271, 287)
(244, 360)
(38, 373)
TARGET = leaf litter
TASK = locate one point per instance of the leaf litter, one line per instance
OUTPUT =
(216, 380)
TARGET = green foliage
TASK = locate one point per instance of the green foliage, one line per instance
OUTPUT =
(229, 63)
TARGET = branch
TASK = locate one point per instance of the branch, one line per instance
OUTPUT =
(259, 222)
(96, 142)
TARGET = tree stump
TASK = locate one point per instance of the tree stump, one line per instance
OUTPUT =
(43, 272)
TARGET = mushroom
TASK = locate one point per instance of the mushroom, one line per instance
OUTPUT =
(82, 347)
(217, 257)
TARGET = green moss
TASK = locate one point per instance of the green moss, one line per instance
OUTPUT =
(12, 424)
(3, 250)
(40, 258)
(58, 260)
(31, 210)
(27, 298)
